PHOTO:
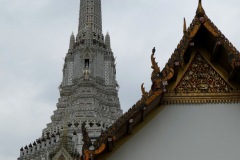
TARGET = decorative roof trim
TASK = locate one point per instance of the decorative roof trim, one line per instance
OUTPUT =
(197, 23)
(201, 98)
(156, 95)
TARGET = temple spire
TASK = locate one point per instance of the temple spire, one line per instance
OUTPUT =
(90, 15)
(184, 26)
(107, 41)
(72, 41)
(200, 11)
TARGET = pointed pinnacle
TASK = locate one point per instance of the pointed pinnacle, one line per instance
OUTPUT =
(200, 11)
(184, 26)
(153, 50)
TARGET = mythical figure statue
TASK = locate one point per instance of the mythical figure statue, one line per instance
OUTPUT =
(86, 73)
(86, 139)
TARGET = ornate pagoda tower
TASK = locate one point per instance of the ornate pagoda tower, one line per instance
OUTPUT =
(88, 92)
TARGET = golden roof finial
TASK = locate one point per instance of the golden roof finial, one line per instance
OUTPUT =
(200, 11)
(156, 69)
(184, 26)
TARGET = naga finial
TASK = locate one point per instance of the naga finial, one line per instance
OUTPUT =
(156, 69)
(144, 93)
(153, 50)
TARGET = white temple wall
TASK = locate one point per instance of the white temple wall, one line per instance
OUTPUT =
(187, 132)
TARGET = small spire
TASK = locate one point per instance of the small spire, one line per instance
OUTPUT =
(200, 11)
(72, 41)
(184, 26)
(107, 41)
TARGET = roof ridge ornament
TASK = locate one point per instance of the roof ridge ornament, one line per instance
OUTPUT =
(200, 11)
(184, 26)
(156, 69)
(144, 93)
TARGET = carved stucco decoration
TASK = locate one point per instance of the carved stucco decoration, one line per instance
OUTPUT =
(86, 139)
(202, 78)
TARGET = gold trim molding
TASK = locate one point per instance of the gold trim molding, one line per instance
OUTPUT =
(201, 98)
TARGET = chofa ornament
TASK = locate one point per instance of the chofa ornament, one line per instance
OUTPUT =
(159, 80)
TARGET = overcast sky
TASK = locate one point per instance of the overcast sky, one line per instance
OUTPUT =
(34, 38)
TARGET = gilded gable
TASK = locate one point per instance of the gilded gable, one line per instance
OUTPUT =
(201, 77)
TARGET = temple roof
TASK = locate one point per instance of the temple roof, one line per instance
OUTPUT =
(203, 27)
(203, 50)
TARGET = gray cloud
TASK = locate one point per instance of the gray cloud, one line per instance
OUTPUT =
(35, 37)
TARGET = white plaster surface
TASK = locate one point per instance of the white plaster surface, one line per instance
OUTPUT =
(187, 132)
